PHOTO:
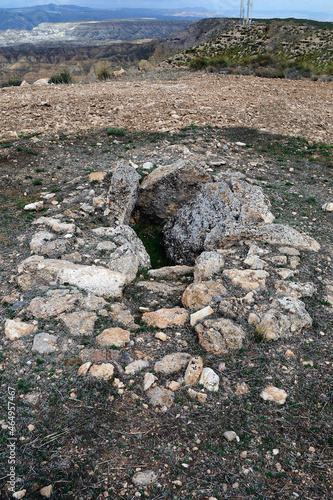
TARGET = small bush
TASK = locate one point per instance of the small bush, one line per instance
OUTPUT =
(63, 77)
(198, 63)
(11, 83)
(115, 131)
(103, 73)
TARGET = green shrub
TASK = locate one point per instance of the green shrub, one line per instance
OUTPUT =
(103, 73)
(63, 77)
(115, 131)
(11, 83)
(198, 63)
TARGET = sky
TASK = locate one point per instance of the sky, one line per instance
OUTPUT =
(320, 9)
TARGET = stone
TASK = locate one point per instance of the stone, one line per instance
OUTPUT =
(172, 363)
(31, 427)
(39, 239)
(161, 336)
(41, 82)
(220, 335)
(231, 436)
(15, 329)
(248, 279)
(294, 262)
(254, 262)
(79, 322)
(200, 315)
(162, 288)
(159, 396)
(289, 251)
(253, 319)
(170, 272)
(241, 389)
(83, 369)
(167, 188)
(327, 207)
(19, 494)
(120, 314)
(187, 233)
(166, 318)
(46, 491)
(123, 194)
(210, 380)
(56, 225)
(285, 316)
(148, 165)
(113, 337)
(285, 273)
(37, 271)
(136, 366)
(293, 289)
(274, 234)
(148, 381)
(193, 371)
(271, 393)
(279, 260)
(37, 206)
(103, 371)
(174, 386)
(125, 260)
(44, 343)
(55, 303)
(144, 478)
(199, 295)
(207, 265)
(97, 176)
(106, 245)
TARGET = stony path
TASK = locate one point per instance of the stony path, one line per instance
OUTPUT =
(297, 108)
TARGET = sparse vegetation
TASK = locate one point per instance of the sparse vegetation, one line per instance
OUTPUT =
(62, 77)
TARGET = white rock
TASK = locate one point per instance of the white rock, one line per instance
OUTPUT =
(104, 371)
(39, 240)
(56, 225)
(200, 315)
(271, 393)
(148, 165)
(83, 369)
(46, 491)
(230, 436)
(328, 207)
(19, 494)
(148, 381)
(145, 478)
(210, 380)
(44, 343)
(136, 366)
(37, 206)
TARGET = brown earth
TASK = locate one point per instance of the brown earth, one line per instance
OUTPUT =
(293, 108)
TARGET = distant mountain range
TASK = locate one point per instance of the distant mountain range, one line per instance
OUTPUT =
(28, 18)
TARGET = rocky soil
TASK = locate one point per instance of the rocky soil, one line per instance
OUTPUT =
(131, 375)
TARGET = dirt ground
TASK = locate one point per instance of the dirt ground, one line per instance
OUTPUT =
(89, 437)
(169, 102)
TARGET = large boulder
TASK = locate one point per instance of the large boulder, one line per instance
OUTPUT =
(165, 190)
(123, 194)
(37, 271)
(216, 205)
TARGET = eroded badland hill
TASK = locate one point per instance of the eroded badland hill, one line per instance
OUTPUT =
(166, 288)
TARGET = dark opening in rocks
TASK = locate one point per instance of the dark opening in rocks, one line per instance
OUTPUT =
(152, 238)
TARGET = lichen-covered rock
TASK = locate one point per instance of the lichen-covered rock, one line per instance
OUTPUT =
(172, 363)
(79, 322)
(193, 371)
(123, 194)
(55, 303)
(214, 206)
(220, 335)
(36, 271)
(159, 396)
(285, 316)
(210, 380)
(44, 343)
(248, 279)
(199, 295)
(167, 188)
(113, 337)
(271, 393)
(15, 329)
(165, 318)
(103, 371)
(207, 264)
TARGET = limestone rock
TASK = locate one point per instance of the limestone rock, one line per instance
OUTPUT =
(113, 337)
(56, 225)
(136, 366)
(328, 207)
(220, 335)
(97, 176)
(41, 82)
(248, 279)
(170, 272)
(207, 264)
(79, 322)
(199, 295)
(275, 234)
(172, 363)
(37, 206)
(166, 318)
(120, 314)
(148, 381)
(200, 396)
(159, 396)
(44, 343)
(39, 239)
(293, 289)
(193, 371)
(97, 280)
(162, 288)
(83, 369)
(144, 478)
(236, 201)
(55, 303)
(241, 389)
(15, 329)
(46, 491)
(286, 316)
(103, 371)
(271, 393)
(167, 188)
(210, 380)
(231, 436)
(200, 315)
(254, 262)
(123, 194)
